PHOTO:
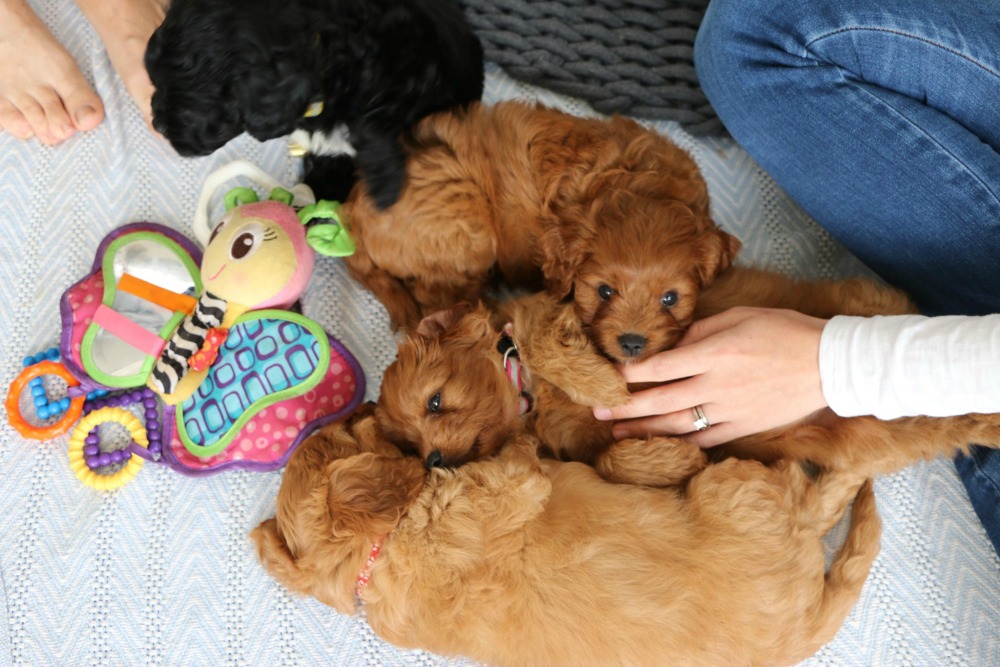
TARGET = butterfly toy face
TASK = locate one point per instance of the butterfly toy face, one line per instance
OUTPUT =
(258, 257)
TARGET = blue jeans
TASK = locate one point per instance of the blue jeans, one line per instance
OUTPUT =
(882, 120)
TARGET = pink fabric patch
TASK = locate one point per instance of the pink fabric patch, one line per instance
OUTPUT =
(84, 299)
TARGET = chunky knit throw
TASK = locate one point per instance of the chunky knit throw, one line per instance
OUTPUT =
(633, 57)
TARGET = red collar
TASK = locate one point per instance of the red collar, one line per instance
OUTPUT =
(366, 572)
(516, 373)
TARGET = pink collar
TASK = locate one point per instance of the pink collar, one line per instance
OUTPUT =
(366, 572)
(516, 373)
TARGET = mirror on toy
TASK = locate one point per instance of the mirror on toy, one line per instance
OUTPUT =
(152, 275)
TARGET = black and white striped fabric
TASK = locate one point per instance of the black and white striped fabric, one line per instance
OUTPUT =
(188, 339)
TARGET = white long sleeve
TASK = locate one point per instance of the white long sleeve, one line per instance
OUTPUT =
(907, 365)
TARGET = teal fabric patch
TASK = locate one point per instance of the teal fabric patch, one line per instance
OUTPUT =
(260, 358)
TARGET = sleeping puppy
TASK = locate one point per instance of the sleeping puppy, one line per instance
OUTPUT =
(520, 194)
(346, 78)
(516, 561)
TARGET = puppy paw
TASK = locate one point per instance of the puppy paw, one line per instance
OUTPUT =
(382, 163)
(521, 450)
(867, 298)
(588, 378)
(330, 177)
(657, 462)
(610, 395)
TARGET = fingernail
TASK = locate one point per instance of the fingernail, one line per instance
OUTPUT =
(84, 113)
(602, 413)
(619, 433)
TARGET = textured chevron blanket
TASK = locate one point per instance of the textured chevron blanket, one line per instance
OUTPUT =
(162, 572)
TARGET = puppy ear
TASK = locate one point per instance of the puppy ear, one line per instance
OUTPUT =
(474, 325)
(438, 323)
(363, 411)
(718, 251)
(563, 245)
(368, 493)
(323, 571)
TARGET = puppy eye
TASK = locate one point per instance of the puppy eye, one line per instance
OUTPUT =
(605, 292)
(669, 299)
(434, 403)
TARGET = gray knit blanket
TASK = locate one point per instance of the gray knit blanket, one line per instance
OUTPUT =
(633, 57)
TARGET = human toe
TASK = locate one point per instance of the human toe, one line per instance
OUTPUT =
(13, 122)
(57, 120)
(88, 116)
(34, 114)
(84, 106)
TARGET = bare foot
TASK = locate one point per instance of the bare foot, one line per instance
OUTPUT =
(125, 27)
(42, 91)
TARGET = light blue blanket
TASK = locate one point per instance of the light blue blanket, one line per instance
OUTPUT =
(162, 571)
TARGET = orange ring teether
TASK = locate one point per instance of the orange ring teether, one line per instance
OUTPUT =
(14, 400)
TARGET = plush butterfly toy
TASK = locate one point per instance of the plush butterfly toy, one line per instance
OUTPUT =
(195, 354)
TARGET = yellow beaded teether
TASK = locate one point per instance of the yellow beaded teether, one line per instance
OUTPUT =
(77, 459)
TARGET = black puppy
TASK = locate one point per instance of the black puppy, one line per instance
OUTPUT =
(347, 77)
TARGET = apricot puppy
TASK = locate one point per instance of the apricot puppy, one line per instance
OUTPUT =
(468, 378)
(517, 561)
(516, 193)
(449, 395)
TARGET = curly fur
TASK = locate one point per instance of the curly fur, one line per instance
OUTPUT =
(632, 303)
(524, 194)
(453, 355)
(221, 68)
(516, 561)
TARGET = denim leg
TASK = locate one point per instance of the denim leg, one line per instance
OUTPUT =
(882, 120)
(980, 471)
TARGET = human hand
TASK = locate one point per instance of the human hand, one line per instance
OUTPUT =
(750, 370)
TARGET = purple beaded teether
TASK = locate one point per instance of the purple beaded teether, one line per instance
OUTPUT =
(97, 459)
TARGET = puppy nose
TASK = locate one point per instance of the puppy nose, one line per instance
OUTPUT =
(632, 344)
(434, 460)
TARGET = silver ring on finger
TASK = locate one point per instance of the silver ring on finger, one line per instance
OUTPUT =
(700, 420)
